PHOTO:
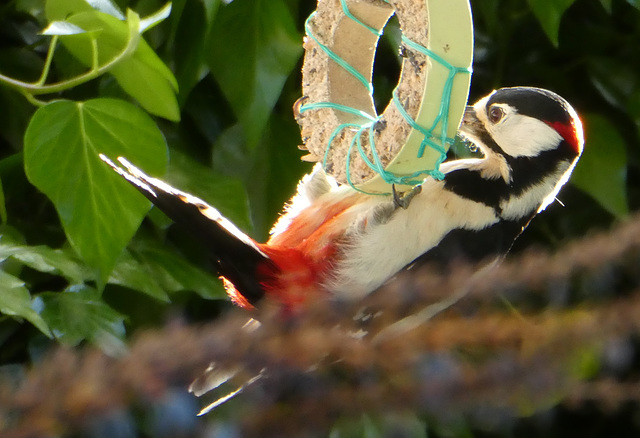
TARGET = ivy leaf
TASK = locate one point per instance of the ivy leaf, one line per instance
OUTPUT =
(59, 10)
(45, 259)
(253, 47)
(189, 38)
(175, 273)
(15, 300)
(549, 14)
(142, 75)
(602, 169)
(131, 273)
(99, 211)
(78, 314)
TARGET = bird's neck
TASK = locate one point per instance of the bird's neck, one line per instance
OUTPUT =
(514, 187)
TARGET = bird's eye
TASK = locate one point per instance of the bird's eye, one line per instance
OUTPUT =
(495, 114)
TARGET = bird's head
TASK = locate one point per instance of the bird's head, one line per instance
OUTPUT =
(523, 122)
(530, 137)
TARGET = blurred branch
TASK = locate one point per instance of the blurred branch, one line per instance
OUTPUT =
(322, 364)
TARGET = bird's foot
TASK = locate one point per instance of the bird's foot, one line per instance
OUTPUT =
(402, 200)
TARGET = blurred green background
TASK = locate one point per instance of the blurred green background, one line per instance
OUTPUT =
(231, 139)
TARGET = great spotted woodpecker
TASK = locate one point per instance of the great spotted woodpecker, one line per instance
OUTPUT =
(334, 240)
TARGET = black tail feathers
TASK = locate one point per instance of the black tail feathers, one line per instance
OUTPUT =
(236, 255)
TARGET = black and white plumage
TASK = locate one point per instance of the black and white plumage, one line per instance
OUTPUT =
(531, 140)
(334, 240)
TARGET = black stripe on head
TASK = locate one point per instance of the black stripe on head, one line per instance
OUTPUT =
(534, 102)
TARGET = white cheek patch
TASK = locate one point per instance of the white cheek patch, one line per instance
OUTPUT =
(523, 136)
(516, 134)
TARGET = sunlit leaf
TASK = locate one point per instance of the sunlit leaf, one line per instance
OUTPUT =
(586, 362)
(253, 47)
(211, 7)
(602, 170)
(108, 7)
(142, 75)
(62, 28)
(60, 10)
(15, 300)
(97, 208)
(549, 14)
(157, 17)
(78, 314)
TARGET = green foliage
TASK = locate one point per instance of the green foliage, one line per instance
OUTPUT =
(210, 84)
(602, 171)
(98, 214)
(187, 40)
(549, 13)
(142, 74)
(79, 313)
(42, 258)
(253, 70)
(103, 83)
(15, 300)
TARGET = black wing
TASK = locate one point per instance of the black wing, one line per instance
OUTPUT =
(235, 254)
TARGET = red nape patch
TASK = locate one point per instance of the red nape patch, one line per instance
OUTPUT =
(571, 133)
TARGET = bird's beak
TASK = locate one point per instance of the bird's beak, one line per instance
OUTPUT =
(470, 118)
(470, 113)
(471, 125)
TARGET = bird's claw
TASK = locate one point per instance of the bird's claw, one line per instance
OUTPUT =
(402, 200)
